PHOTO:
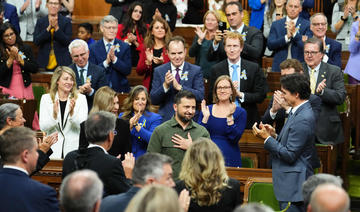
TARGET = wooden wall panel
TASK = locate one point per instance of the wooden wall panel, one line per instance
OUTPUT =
(90, 9)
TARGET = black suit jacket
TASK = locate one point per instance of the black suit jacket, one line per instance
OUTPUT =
(193, 14)
(122, 140)
(108, 167)
(328, 127)
(254, 87)
(30, 66)
(253, 46)
(98, 79)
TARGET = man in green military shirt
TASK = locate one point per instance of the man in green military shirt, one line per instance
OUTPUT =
(174, 136)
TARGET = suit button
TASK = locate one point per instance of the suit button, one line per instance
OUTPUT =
(24, 80)
(22, 71)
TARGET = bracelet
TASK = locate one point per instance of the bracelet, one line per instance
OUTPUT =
(343, 19)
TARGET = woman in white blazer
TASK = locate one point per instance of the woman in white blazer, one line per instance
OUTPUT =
(29, 12)
(62, 110)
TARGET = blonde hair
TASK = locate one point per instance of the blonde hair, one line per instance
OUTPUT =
(103, 100)
(155, 198)
(234, 35)
(217, 16)
(55, 78)
(203, 172)
(128, 102)
(149, 39)
(224, 77)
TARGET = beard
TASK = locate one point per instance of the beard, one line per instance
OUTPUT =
(184, 118)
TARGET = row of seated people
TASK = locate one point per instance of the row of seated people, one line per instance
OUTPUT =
(248, 79)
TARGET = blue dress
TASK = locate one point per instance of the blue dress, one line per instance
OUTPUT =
(227, 137)
(139, 140)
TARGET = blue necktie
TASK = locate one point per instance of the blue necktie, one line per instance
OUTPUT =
(108, 46)
(235, 78)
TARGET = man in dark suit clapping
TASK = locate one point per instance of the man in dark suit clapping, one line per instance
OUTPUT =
(247, 76)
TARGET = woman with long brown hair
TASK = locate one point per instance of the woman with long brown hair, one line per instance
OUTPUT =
(141, 117)
(153, 54)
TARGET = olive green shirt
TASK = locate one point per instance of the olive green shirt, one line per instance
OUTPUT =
(160, 140)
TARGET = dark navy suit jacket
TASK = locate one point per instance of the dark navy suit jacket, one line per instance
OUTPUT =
(116, 73)
(291, 154)
(98, 79)
(62, 38)
(191, 80)
(20, 193)
(11, 14)
(334, 52)
(276, 41)
(118, 202)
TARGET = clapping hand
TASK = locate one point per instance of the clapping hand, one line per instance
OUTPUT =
(134, 120)
(149, 56)
(205, 111)
(321, 86)
(128, 164)
(72, 106)
(169, 78)
(46, 143)
(158, 60)
(261, 132)
(201, 34)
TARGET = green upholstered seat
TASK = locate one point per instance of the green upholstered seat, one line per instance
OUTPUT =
(263, 193)
(247, 162)
(38, 92)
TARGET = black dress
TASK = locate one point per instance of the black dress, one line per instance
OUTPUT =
(230, 198)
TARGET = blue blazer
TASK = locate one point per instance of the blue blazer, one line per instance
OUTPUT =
(193, 82)
(62, 38)
(257, 13)
(98, 80)
(11, 14)
(118, 202)
(276, 41)
(148, 121)
(334, 52)
(291, 154)
(20, 193)
(116, 73)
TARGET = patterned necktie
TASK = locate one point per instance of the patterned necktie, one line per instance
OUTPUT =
(312, 81)
(108, 46)
(82, 80)
(177, 75)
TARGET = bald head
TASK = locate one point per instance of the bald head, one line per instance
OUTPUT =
(329, 198)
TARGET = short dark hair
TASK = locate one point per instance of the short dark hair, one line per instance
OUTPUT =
(292, 63)
(238, 4)
(315, 40)
(99, 125)
(14, 141)
(296, 83)
(176, 38)
(183, 94)
(149, 165)
(87, 26)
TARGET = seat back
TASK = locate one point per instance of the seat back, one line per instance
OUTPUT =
(260, 190)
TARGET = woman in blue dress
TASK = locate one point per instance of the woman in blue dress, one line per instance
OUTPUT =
(224, 120)
(142, 121)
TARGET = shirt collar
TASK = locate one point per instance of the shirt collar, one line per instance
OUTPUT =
(294, 20)
(96, 145)
(174, 123)
(241, 28)
(180, 67)
(294, 109)
(85, 67)
(316, 68)
(17, 168)
(237, 63)
(111, 42)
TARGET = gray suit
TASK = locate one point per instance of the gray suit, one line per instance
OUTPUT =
(329, 128)
(291, 154)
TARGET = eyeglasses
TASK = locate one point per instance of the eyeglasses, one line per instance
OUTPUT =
(54, 3)
(9, 35)
(223, 88)
(310, 53)
(319, 24)
(109, 27)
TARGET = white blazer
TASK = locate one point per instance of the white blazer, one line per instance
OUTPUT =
(30, 12)
(69, 130)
